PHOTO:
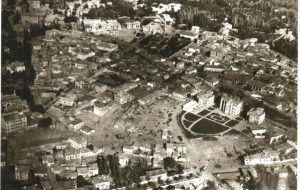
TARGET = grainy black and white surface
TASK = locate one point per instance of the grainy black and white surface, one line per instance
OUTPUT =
(149, 94)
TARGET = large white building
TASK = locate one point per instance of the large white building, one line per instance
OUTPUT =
(130, 24)
(67, 100)
(101, 26)
(156, 174)
(103, 46)
(94, 3)
(230, 105)
(123, 97)
(15, 67)
(100, 108)
(76, 124)
(263, 158)
(256, 115)
(14, 123)
(190, 106)
(77, 143)
(188, 34)
(153, 28)
(101, 182)
(206, 98)
(161, 8)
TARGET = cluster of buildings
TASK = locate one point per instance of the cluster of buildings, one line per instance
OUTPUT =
(155, 155)
(204, 99)
(66, 160)
(15, 115)
(283, 153)
(231, 61)
(76, 71)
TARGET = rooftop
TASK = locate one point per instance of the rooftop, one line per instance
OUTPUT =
(256, 111)
(100, 179)
(13, 116)
(188, 33)
(76, 121)
(87, 129)
(155, 172)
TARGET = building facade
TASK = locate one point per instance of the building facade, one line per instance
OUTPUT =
(256, 116)
(14, 123)
(206, 99)
(263, 158)
(231, 106)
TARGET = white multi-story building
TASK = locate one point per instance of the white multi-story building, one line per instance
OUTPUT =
(256, 115)
(259, 133)
(76, 124)
(14, 123)
(171, 148)
(87, 130)
(15, 67)
(190, 106)
(103, 46)
(123, 97)
(77, 143)
(101, 26)
(161, 8)
(67, 100)
(130, 24)
(230, 105)
(156, 174)
(123, 160)
(195, 29)
(263, 158)
(101, 182)
(206, 98)
(99, 108)
(188, 34)
(73, 153)
(153, 28)
(165, 134)
(129, 149)
(94, 3)
(22, 172)
(35, 4)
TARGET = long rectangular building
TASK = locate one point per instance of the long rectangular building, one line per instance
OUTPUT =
(14, 123)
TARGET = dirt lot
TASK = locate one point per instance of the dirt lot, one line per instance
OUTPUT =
(210, 153)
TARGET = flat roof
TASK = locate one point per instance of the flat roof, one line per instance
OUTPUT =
(13, 116)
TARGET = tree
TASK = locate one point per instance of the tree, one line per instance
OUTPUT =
(44, 123)
(17, 18)
(70, 19)
(180, 169)
(11, 2)
(81, 182)
(103, 165)
(153, 184)
(169, 163)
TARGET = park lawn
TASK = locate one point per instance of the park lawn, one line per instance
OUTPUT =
(205, 126)
(204, 112)
(187, 124)
(191, 117)
(232, 123)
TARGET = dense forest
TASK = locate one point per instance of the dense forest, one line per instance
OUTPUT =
(258, 19)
